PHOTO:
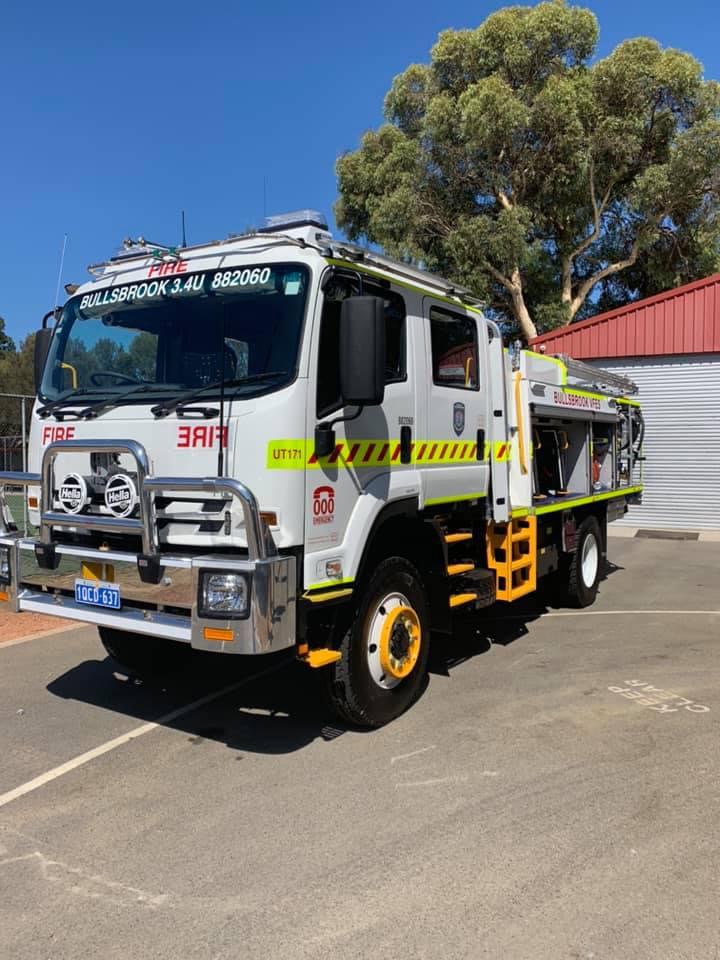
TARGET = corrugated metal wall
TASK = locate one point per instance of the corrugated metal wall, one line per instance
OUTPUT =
(681, 404)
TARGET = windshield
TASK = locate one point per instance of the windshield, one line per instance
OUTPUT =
(168, 334)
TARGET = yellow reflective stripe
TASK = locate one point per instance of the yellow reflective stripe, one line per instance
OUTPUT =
(324, 595)
(629, 402)
(299, 454)
(429, 452)
(553, 507)
(502, 450)
(324, 584)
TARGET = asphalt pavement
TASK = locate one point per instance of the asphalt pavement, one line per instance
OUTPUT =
(554, 794)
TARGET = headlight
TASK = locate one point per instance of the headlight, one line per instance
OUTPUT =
(224, 595)
(4, 565)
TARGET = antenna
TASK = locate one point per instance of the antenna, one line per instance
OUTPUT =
(60, 271)
(221, 450)
(264, 197)
(184, 238)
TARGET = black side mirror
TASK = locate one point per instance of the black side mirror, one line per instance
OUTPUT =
(362, 351)
(42, 345)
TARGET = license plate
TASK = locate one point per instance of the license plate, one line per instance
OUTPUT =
(95, 593)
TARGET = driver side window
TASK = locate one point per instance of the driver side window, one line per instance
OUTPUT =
(339, 288)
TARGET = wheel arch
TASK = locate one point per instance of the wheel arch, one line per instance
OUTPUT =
(399, 530)
(597, 510)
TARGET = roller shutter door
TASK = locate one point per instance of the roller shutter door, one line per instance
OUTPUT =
(681, 404)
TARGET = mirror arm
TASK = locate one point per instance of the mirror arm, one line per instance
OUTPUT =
(353, 416)
(54, 313)
(325, 433)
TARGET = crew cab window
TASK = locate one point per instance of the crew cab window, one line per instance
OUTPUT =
(454, 350)
(337, 290)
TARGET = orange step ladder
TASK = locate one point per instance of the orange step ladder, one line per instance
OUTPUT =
(512, 554)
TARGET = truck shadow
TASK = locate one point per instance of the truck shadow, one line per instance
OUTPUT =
(272, 710)
(275, 707)
(499, 625)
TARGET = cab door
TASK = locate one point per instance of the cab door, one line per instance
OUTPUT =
(454, 464)
(373, 462)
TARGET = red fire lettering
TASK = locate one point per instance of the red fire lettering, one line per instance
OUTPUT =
(199, 436)
(163, 269)
(51, 434)
(202, 436)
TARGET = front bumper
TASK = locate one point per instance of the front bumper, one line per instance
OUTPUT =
(159, 591)
(167, 609)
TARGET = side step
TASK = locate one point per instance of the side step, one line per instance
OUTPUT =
(320, 658)
(458, 537)
(460, 599)
(477, 588)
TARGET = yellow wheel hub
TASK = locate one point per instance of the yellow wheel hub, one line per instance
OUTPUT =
(400, 642)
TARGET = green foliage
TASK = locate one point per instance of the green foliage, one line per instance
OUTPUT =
(6, 343)
(138, 360)
(16, 376)
(546, 182)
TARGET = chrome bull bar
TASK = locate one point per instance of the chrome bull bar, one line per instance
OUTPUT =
(270, 620)
(260, 546)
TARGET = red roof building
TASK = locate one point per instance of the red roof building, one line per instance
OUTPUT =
(669, 345)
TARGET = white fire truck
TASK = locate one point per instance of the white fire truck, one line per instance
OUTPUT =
(282, 441)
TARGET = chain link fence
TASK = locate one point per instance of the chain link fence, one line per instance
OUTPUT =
(15, 411)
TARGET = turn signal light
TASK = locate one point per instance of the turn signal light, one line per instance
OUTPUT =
(270, 517)
(4, 596)
(211, 633)
(33, 503)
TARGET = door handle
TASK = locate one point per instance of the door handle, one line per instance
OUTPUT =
(405, 444)
(480, 452)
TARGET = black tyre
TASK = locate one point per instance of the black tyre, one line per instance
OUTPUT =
(385, 651)
(142, 656)
(585, 565)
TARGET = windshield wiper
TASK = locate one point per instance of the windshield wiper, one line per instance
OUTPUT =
(95, 409)
(163, 409)
(65, 401)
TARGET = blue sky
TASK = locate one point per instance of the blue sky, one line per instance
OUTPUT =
(117, 116)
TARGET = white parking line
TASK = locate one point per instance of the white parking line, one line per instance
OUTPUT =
(611, 613)
(140, 731)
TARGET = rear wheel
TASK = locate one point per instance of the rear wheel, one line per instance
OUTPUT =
(585, 565)
(383, 669)
(143, 656)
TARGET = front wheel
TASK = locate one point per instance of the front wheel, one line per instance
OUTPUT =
(385, 651)
(142, 656)
(585, 565)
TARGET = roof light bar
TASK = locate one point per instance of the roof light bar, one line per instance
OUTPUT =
(280, 222)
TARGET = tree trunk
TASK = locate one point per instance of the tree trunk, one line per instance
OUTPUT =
(522, 314)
